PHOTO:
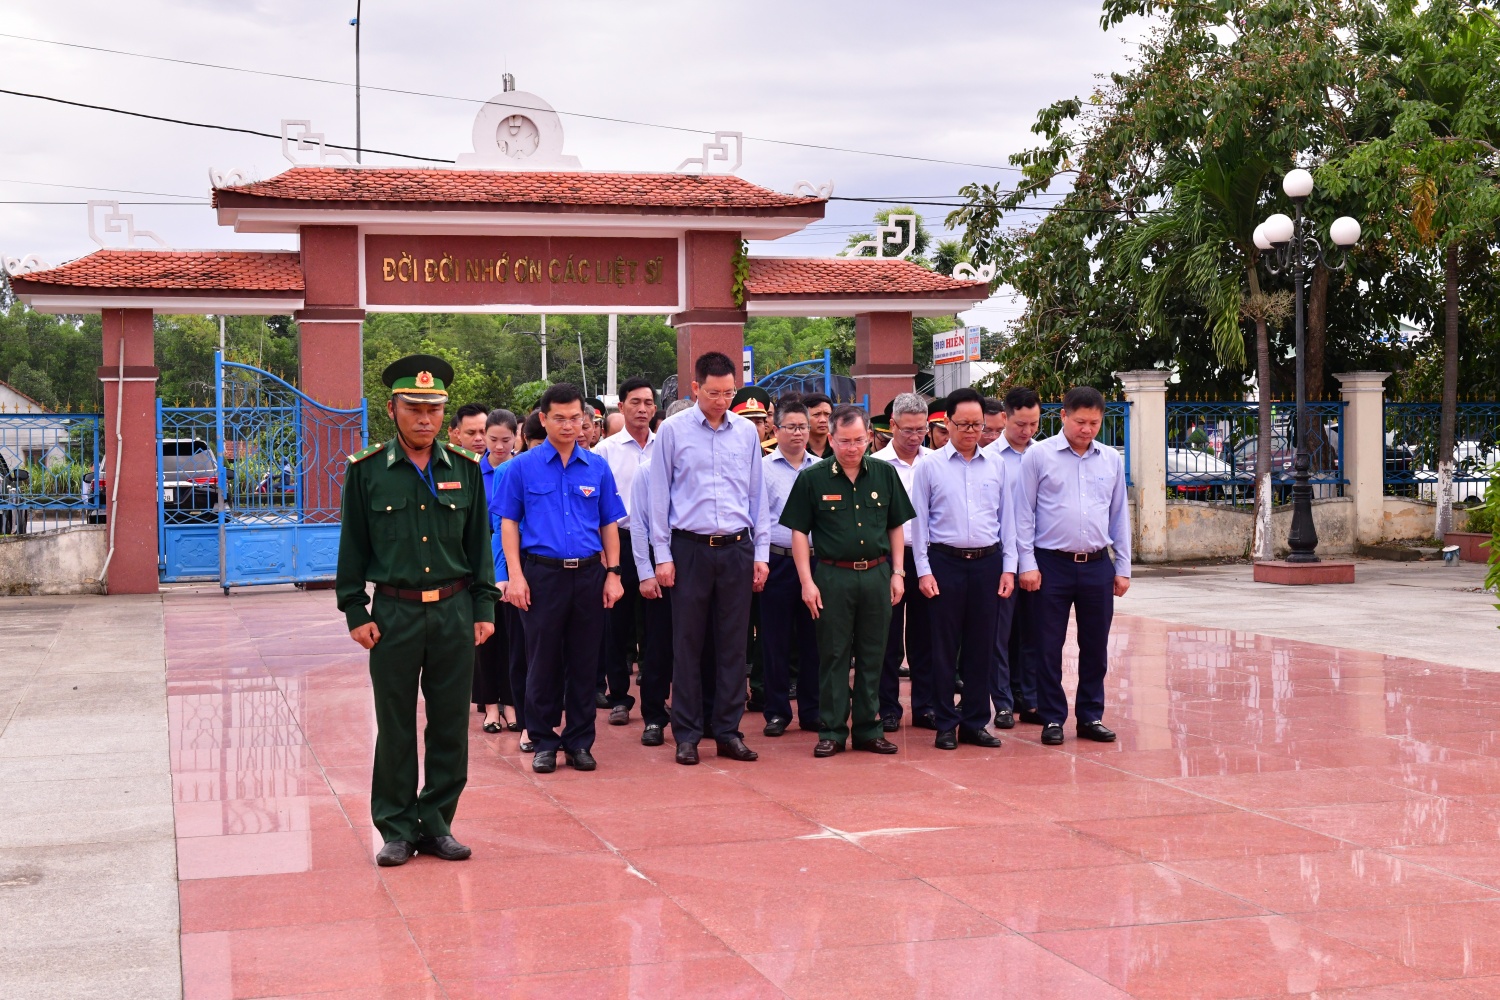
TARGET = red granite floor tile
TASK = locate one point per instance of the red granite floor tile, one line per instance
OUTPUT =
(304, 958)
(1417, 819)
(1437, 940)
(1100, 800)
(429, 886)
(231, 904)
(1285, 789)
(636, 829)
(1200, 761)
(271, 853)
(1017, 847)
(800, 865)
(727, 977)
(1207, 835)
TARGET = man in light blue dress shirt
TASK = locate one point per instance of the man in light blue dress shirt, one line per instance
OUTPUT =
(710, 532)
(1071, 512)
(964, 542)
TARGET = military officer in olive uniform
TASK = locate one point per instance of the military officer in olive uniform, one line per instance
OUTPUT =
(855, 506)
(415, 523)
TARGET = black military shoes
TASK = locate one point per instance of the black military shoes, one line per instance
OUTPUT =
(395, 853)
(444, 847)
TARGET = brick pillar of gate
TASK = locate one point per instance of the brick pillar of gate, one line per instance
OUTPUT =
(330, 348)
(883, 365)
(132, 520)
(711, 321)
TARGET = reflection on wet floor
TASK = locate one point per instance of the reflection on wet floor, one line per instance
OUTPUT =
(1276, 818)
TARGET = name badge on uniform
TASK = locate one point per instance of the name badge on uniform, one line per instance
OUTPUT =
(833, 496)
(450, 486)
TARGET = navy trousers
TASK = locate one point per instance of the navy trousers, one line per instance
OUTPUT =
(909, 638)
(785, 624)
(711, 596)
(515, 640)
(962, 619)
(620, 633)
(1023, 653)
(564, 626)
(1087, 590)
(1000, 682)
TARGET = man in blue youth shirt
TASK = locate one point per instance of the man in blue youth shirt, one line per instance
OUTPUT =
(558, 510)
(1070, 513)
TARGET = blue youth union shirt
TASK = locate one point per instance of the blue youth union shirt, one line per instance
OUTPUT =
(494, 476)
(560, 508)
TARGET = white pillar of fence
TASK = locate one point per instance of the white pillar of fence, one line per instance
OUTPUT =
(1147, 393)
(1363, 436)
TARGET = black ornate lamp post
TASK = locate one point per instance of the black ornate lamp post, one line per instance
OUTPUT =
(1294, 247)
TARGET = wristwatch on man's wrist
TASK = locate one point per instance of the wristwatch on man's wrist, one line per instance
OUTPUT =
(615, 569)
(898, 572)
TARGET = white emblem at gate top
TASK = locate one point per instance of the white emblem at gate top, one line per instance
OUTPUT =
(516, 130)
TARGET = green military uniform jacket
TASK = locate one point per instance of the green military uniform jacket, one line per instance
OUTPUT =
(851, 521)
(396, 532)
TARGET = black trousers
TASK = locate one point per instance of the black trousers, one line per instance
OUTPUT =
(962, 617)
(1088, 590)
(1000, 682)
(711, 595)
(620, 633)
(564, 626)
(1023, 655)
(492, 667)
(785, 624)
(909, 638)
(515, 643)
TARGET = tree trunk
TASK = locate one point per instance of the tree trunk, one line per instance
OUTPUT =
(1262, 548)
(1450, 392)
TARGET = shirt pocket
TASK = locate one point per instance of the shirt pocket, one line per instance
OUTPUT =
(453, 512)
(1100, 490)
(841, 500)
(390, 519)
(583, 501)
(541, 500)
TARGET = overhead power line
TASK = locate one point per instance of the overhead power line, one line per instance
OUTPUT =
(88, 187)
(472, 100)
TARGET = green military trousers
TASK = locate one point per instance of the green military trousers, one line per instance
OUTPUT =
(426, 646)
(853, 624)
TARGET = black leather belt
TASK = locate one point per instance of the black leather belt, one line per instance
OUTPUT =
(858, 564)
(425, 596)
(712, 541)
(958, 553)
(781, 550)
(1078, 557)
(561, 563)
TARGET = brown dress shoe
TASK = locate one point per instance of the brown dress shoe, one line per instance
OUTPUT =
(880, 745)
(735, 749)
(827, 748)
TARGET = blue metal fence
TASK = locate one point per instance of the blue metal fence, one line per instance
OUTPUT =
(1114, 433)
(1211, 450)
(813, 375)
(50, 471)
(1411, 449)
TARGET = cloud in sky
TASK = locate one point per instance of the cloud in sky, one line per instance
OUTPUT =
(959, 82)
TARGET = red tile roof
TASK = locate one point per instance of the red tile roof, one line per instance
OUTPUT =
(407, 186)
(204, 271)
(832, 277)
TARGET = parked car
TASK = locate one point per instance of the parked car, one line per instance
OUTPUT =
(1202, 475)
(189, 479)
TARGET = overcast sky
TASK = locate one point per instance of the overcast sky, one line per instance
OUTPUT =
(954, 82)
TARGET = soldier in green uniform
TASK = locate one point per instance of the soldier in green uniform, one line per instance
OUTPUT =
(855, 505)
(415, 523)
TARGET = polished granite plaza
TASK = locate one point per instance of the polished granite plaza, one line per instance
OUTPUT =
(1277, 818)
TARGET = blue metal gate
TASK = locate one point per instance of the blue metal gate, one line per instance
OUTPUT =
(249, 489)
(813, 375)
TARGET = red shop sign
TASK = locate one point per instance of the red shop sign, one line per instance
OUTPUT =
(547, 271)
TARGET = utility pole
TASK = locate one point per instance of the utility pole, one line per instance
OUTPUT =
(582, 369)
(610, 385)
(221, 333)
(544, 347)
(358, 133)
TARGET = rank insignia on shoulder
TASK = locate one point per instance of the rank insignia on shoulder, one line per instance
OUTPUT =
(466, 453)
(364, 453)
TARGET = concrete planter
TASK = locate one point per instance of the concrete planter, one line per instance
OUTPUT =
(1473, 546)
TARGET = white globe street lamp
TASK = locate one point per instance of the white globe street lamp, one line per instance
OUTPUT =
(1297, 183)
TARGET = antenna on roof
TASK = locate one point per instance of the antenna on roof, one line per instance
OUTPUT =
(507, 82)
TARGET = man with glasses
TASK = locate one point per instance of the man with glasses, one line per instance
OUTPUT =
(964, 544)
(710, 531)
(909, 638)
(784, 618)
(1016, 655)
(855, 505)
(994, 421)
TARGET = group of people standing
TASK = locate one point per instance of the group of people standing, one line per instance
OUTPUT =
(737, 529)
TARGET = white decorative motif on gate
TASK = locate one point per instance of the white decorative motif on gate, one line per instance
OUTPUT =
(807, 189)
(232, 177)
(718, 152)
(112, 221)
(306, 140)
(25, 265)
(971, 272)
(886, 233)
(517, 130)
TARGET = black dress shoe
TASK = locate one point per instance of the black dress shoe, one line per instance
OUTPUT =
(776, 725)
(444, 847)
(527, 746)
(545, 761)
(687, 753)
(514, 727)
(619, 716)
(493, 727)
(827, 748)
(878, 745)
(809, 727)
(395, 853)
(926, 720)
(652, 736)
(1005, 719)
(978, 738)
(1031, 717)
(601, 700)
(1052, 734)
(1096, 731)
(946, 740)
(890, 724)
(735, 749)
(580, 760)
